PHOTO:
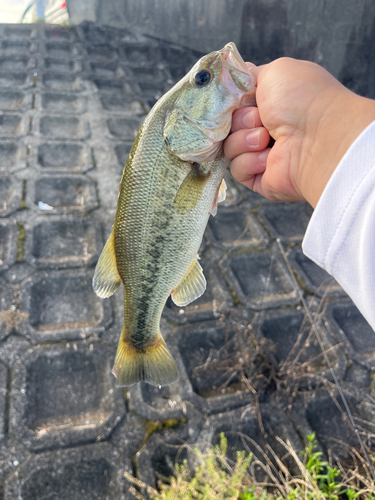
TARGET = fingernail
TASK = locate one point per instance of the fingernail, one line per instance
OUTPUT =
(253, 138)
(249, 119)
(262, 157)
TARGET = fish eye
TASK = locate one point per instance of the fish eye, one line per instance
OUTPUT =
(203, 77)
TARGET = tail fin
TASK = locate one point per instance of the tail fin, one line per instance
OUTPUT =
(153, 363)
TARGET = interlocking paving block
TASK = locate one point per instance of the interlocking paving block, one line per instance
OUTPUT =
(61, 65)
(325, 414)
(6, 309)
(59, 50)
(10, 195)
(352, 328)
(14, 101)
(129, 434)
(215, 301)
(16, 47)
(178, 59)
(12, 125)
(163, 449)
(96, 34)
(124, 128)
(235, 228)
(64, 157)
(3, 396)
(16, 63)
(64, 395)
(252, 429)
(105, 69)
(13, 347)
(14, 80)
(124, 105)
(58, 33)
(358, 375)
(19, 31)
(294, 345)
(62, 82)
(139, 54)
(64, 127)
(122, 152)
(313, 277)
(12, 454)
(101, 53)
(212, 365)
(12, 156)
(92, 472)
(61, 305)
(286, 221)
(64, 103)
(260, 280)
(58, 242)
(63, 194)
(156, 404)
(117, 88)
(8, 243)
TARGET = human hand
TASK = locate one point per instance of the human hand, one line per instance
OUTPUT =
(313, 120)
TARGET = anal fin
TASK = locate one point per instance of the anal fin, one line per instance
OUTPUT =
(106, 278)
(191, 287)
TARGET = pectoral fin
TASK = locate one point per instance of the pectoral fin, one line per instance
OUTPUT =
(106, 278)
(220, 196)
(190, 192)
(191, 287)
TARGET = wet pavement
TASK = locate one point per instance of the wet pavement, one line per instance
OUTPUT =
(249, 362)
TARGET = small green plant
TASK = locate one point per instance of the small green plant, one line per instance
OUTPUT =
(216, 479)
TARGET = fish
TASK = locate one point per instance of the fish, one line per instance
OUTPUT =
(172, 181)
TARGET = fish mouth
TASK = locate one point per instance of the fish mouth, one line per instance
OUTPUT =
(235, 66)
(233, 58)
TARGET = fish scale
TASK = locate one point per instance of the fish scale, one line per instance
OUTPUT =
(172, 181)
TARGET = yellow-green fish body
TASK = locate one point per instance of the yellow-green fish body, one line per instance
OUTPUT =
(172, 181)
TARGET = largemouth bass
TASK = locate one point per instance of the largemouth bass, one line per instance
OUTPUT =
(172, 182)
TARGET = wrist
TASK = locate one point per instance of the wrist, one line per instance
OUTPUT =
(340, 124)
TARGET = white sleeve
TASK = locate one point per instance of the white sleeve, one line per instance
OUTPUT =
(340, 236)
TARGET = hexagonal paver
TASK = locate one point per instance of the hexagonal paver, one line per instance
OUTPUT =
(12, 157)
(64, 157)
(212, 365)
(11, 100)
(8, 243)
(64, 395)
(286, 221)
(124, 128)
(10, 194)
(63, 194)
(61, 305)
(235, 228)
(325, 414)
(64, 127)
(53, 102)
(259, 279)
(6, 309)
(352, 328)
(252, 429)
(12, 125)
(92, 472)
(63, 242)
(295, 346)
(314, 278)
(215, 301)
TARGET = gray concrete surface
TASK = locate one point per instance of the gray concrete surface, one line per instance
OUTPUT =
(249, 363)
(338, 34)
